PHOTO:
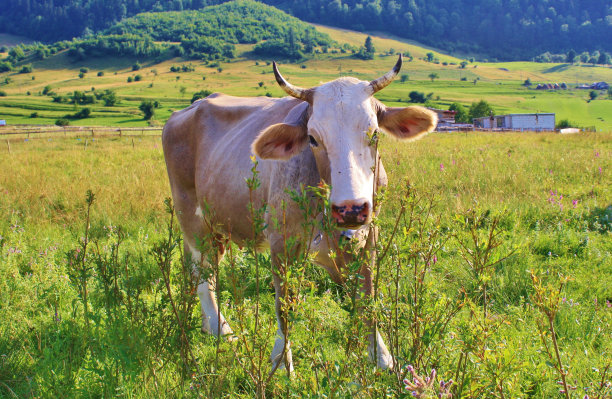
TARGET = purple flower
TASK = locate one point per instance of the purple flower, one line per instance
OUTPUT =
(574, 203)
(442, 167)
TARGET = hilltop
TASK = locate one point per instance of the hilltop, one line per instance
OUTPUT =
(514, 30)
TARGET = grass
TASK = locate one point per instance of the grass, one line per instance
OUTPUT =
(545, 197)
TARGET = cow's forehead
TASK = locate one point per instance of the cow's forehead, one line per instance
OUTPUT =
(345, 101)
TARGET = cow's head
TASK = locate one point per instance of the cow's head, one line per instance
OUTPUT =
(338, 126)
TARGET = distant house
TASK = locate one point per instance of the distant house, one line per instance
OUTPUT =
(2, 122)
(445, 117)
(535, 122)
(600, 86)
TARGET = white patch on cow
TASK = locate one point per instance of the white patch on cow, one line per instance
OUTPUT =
(381, 355)
(341, 118)
(211, 317)
(199, 213)
(277, 351)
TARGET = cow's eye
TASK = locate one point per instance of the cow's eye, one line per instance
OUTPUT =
(313, 142)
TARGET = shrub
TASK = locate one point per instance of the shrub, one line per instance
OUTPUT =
(62, 122)
(563, 124)
(81, 75)
(137, 78)
(200, 94)
(109, 97)
(101, 73)
(480, 109)
(26, 69)
(84, 70)
(130, 79)
(148, 109)
(136, 66)
(5, 66)
(417, 97)
(2, 93)
(83, 113)
(461, 115)
(34, 115)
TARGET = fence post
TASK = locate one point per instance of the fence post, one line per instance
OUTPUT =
(8, 146)
(120, 134)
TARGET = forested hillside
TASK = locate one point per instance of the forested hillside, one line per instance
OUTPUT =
(514, 29)
(207, 34)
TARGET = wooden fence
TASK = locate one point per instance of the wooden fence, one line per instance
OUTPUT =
(37, 132)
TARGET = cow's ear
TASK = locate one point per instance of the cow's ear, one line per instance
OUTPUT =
(281, 141)
(408, 123)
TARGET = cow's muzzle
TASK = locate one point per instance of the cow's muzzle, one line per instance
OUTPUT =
(351, 214)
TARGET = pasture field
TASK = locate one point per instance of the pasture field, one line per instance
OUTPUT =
(498, 276)
(498, 83)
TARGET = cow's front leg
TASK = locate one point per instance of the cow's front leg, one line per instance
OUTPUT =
(377, 349)
(213, 321)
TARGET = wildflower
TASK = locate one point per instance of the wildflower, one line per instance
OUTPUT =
(425, 388)
(574, 203)
(596, 154)
(600, 170)
(442, 167)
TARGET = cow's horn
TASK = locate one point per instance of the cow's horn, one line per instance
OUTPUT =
(293, 91)
(387, 78)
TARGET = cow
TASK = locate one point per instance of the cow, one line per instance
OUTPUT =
(320, 134)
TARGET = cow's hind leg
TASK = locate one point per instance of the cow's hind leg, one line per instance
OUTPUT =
(281, 352)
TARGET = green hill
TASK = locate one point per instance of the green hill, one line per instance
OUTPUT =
(506, 30)
(172, 80)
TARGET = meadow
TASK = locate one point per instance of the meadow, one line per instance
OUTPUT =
(501, 84)
(494, 269)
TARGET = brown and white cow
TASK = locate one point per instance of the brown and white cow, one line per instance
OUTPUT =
(317, 134)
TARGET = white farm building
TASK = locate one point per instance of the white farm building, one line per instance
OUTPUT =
(533, 122)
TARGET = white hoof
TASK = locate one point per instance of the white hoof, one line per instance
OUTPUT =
(381, 355)
(212, 327)
(277, 352)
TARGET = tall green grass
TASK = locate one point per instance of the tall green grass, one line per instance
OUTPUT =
(478, 232)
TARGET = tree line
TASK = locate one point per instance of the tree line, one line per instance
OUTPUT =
(514, 29)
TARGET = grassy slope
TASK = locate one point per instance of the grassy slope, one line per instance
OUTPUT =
(500, 87)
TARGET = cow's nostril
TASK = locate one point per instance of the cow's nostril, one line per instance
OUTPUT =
(351, 213)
